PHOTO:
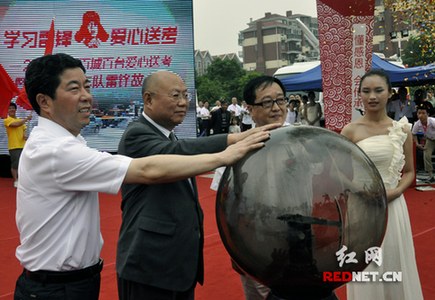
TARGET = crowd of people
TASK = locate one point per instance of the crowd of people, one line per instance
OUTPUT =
(419, 111)
(161, 239)
(224, 118)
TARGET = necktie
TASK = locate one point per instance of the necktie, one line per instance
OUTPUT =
(172, 136)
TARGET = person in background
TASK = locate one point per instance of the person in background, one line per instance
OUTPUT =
(205, 117)
(292, 114)
(425, 126)
(303, 105)
(216, 106)
(161, 239)
(199, 118)
(17, 136)
(235, 109)
(403, 107)
(388, 143)
(234, 127)
(419, 97)
(430, 98)
(57, 212)
(220, 119)
(246, 117)
(312, 111)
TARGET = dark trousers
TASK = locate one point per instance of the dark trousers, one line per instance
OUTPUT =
(206, 127)
(130, 290)
(87, 289)
(246, 127)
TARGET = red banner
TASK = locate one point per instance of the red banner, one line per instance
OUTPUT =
(346, 42)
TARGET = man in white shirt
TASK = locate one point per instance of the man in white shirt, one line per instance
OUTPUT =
(57, 198)
(216, 106)
(235, 109)
(205, 118)
(199, 118)
(425, 126)
(246, 117)
(402, 107)
(292, 113)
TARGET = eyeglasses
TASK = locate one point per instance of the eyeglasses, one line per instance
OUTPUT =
(269, 103)
(177, 97)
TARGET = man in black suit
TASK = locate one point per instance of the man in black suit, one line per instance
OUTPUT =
(220, 119)
(160, 246)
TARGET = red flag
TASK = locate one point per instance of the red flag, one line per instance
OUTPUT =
(22, 99)
(50, 41)
(8, 90)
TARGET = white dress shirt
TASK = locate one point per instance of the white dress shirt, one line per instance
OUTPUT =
(235, 108)
(292, 117)
(205, 112)
(57, 198)
(246, 117)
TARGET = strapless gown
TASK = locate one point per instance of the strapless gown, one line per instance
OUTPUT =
(386, 152)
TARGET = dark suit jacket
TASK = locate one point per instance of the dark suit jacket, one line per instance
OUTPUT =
(216, 121)
(161, 238)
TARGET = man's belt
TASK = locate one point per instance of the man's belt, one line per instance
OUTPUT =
(65, 277)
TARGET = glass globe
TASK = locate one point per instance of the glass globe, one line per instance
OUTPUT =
(286, 210)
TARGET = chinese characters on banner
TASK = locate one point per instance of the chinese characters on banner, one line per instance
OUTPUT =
(119, 43)
(346, 42)
(118, 36)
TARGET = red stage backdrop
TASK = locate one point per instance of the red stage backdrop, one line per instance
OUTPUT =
(346, 42)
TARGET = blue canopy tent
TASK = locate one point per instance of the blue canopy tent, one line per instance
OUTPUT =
(311, 80)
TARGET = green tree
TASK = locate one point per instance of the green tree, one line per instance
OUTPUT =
(244, 80)
(419, 50)
(224, 79)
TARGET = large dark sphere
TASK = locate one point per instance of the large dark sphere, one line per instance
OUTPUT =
(284, 210)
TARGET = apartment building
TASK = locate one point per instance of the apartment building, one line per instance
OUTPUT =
(275, 41)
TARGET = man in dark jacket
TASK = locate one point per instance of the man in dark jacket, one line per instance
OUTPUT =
(160, 246)
(220, 119)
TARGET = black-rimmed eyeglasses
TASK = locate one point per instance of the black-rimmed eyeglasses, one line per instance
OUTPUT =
(269, 103)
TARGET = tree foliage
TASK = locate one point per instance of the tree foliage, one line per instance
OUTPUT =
(224, 80)
(418, 51)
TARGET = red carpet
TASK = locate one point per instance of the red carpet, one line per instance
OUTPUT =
(221, 282)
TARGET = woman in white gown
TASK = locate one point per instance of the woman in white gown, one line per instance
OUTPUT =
(312, 111)
(388, 143)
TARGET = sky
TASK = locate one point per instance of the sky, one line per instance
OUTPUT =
(217, 23)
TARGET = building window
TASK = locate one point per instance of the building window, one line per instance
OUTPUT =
(381, 45)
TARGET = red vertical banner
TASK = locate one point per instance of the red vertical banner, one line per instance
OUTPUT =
(346, 43)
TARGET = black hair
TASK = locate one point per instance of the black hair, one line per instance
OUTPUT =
(425, 107)
(43, 75)
(377, 72)
(249, 93)
(13, 104)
